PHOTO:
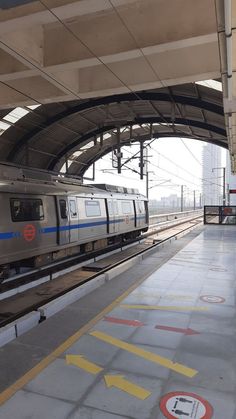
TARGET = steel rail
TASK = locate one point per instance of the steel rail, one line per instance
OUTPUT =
(8, 317)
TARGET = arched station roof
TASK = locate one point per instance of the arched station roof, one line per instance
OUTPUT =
(83, 131)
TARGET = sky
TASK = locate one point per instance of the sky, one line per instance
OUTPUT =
(172, 162)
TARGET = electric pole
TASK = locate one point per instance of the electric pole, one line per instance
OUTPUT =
(182, 198)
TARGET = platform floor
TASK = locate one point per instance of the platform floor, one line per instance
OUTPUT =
(165, 348)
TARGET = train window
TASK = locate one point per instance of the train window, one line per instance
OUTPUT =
(63, 209)
(140, 206)
(126, 207)
(73, 210)
(26, 209)
(110, 208)
(115, 206)
(92, 208)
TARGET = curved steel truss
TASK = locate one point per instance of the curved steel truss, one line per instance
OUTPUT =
(84, 131)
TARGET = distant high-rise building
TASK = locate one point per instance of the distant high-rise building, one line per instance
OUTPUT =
(230, 183)
(211, 179)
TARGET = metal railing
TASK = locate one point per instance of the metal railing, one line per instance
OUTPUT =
(220, 214)
(160, 218)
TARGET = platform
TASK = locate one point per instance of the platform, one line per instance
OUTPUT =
(157, 342)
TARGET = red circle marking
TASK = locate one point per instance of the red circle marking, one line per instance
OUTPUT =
(29, 232)
(212, 299)
(167, 411)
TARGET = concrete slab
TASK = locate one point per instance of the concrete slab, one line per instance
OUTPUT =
(127, 362)
(120, 331)
(214, 372)
(142, 299)
(27, 322)
(7, 334)
(215, 346)
(119, 402)
(91, 413)
(58, 304)
(153, 317)
(24, 405)
(212, 324)
(61, 381)
(158, 338)
(95, 353)
(19, 359)
(186, 330)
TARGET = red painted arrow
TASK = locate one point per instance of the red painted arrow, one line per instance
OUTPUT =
(177, 330)
(123, 321)
(137, 323)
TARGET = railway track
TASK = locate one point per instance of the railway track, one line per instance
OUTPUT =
(50, 271)
(19, 305)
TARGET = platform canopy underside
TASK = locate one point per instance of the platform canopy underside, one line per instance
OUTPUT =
(85, 130)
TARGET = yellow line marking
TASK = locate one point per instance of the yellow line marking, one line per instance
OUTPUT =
(31, 374)
(167, 308)
(177, 297)
(157, 359)
(173, 297)
(80, 362)
(120, 382)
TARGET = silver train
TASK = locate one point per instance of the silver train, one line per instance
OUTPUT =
(43, 221)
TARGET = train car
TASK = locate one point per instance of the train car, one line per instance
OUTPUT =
(43, 221)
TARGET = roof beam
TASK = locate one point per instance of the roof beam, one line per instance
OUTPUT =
(90, 104)
(182, 121)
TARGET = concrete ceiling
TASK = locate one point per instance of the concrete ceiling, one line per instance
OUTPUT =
(62, 50)
(226, 26)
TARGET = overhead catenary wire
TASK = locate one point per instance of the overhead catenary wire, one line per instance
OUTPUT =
(172, 185)
(178, 166)
(181, 168)
(165, 170)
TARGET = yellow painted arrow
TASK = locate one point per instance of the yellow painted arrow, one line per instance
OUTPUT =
(167, 308)
(149, 356)
(82, 363)
(120, 382)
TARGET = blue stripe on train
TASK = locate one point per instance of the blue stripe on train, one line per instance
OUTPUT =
(72, 227)
(9, 235)
(45, 230)
(85, 225)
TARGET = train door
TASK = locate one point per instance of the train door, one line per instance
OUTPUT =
(73, 218)
(116, 216)
(63, 220)
(138, 213)
(127, 208)
(146, 212)
(113, 216)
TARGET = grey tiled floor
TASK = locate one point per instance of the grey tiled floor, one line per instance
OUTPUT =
(206, 266)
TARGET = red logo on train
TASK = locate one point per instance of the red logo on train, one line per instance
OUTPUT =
(29, 232)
